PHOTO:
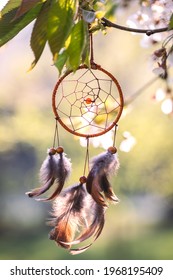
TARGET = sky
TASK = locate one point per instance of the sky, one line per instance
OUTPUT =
(2, 3)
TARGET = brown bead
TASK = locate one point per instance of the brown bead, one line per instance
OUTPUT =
(82, 179)
(52, 151)
(60, 150)
(112, 150)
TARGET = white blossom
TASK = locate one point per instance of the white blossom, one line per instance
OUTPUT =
(167, 106)
(152, 15)
(104, 141)
(160, 94)
(128, 143)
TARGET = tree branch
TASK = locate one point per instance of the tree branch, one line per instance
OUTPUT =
(140, 91)
(148, 32)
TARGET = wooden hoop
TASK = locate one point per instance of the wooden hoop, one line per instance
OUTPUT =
(94, 66)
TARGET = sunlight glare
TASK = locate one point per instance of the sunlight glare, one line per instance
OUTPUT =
(2, 3)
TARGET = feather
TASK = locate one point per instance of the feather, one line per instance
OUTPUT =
(94, 229)
(97, 183)
(54, 170)
(63, 232)
(74, 210)
(96, 226)
(66, 214)
(108, 191)
(79, 250)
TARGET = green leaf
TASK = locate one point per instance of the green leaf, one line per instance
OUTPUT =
(62, 58)
(25, 6)
(60, 22)
(171, 22)
(11, 4)
(9, 28)
(39, 33)
(77, 44)
(86, 49)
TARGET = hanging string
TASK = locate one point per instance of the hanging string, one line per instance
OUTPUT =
(91, 50)
(86, 164)
(115, 132)
(56, 136)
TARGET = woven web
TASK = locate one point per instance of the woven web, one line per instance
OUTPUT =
(87, 102)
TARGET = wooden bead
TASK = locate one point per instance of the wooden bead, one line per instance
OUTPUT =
(52, 151)
(82, 179)
(112, 150)
(60, 150)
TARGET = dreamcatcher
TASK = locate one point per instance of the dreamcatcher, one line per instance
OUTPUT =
(87, 103)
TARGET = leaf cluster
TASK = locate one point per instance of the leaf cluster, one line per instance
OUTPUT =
(63, 24)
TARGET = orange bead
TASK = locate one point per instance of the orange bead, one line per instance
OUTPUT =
(88, 100)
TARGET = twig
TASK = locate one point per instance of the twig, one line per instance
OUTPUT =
(148, 32)
(140, 91)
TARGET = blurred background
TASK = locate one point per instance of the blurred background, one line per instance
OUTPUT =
(141, 225)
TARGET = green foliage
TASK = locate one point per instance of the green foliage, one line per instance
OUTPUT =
(77, 44)
(171, 22)
(61, 60)
(9, 26)
(64, 24)
(10, 6)
(60, 23)
(39, 33)
(25, 6)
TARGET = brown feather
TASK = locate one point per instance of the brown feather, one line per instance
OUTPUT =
(80, 250)
(66, 214)
(108, 191)
(97, 181)
(46, 177)
(95, 228)
(54, 170)
(41, 190)
(61, 173)
(74, 210)
(96, 192)
(63, 231)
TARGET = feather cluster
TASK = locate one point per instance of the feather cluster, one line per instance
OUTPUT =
(97, 183)
(73, 211)
(78, 212)
(55, 170)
